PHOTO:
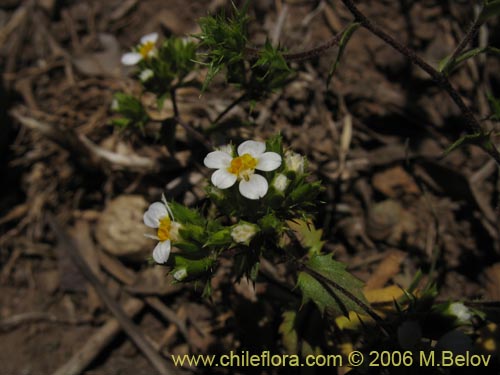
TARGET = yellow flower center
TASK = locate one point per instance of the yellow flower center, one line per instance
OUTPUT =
(243, 166)
(146, 48)
(164, 229)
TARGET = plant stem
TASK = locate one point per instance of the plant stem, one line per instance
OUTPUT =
(473, 126)
(233, 104)
(305, 55)
(195, 133)
(466, 39)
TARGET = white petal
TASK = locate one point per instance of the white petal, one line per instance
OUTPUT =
(162, 251)
(131, 58)
(252, 147)
(217, 160)
(153, 37)
(254, 188)
(268, 161)
(223, 179)
(154, 213)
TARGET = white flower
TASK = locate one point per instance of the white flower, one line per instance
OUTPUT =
(251, 156)
(146, 75)
(243, 233)
(294, 162)
(160, 217)
(280, 182)
(144, 50)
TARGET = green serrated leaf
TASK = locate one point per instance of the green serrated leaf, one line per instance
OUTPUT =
(274, 144)
(220, 238)
(490, 9)
(342, 44)
(331, 287)
(308, 235)
(183, 214)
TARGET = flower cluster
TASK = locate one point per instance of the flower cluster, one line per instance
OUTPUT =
(257, 189)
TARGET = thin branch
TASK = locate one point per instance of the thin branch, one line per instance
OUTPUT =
(71, 247)
(305, 55)
(233, 104)
(441, 80)
(466, 39)
(195, 133)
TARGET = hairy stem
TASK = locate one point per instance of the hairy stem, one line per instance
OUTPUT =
(233, 104)
(305, 55)
(473, 126)
(195, 133)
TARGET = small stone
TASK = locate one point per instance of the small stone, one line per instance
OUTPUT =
(120, 229)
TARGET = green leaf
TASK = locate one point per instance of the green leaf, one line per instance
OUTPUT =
(477, 139)
(194, 267)
(342, 44)
(220, 238)
(446, 66)
(274, 144)
(308, 235)
(183, 214)
(330, 286)
(192, 232)
(490, 9)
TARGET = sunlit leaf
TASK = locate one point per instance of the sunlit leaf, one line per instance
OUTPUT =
(327, 283)
(307, 234)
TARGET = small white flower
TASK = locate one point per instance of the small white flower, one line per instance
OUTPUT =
(280, 182)
(146, 75)
(160, 217)
(144, 50)
(294, 162)
(251, 156)
(243, 233)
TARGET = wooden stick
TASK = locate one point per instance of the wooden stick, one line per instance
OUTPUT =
(66, 241)
(98, 341)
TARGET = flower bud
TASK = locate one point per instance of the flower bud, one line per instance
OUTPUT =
(294, 162)
(244, 232)
(146, 75)
(280, 182)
